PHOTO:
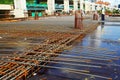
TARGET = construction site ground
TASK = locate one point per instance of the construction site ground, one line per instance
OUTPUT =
(28, 46)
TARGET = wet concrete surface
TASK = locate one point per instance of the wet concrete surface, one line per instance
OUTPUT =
(98, 53)
(102, 48)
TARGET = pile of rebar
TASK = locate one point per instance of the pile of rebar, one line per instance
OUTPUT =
(18, 66)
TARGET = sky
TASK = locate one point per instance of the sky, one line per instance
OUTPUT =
(113, 2)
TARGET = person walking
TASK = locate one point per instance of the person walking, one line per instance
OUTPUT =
(103, 16)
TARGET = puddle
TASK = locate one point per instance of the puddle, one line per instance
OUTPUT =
(96, 57)
(100, 48)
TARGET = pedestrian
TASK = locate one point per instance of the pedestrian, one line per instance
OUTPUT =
(103, 16)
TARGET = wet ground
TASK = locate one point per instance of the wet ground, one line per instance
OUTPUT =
(96, 57)
(98, 53)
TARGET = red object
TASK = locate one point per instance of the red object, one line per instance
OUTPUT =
(95, 16)
(101, 2)
(36, 16)
(78, 20)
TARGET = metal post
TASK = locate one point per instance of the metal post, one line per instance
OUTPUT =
(36, 16)
(78, 20)
(95, 16)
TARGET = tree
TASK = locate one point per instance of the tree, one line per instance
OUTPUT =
(12, 1)
(116, 11)
(30, 1)
(6, 1)
(108, 11)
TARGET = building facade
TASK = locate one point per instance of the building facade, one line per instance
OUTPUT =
(5, 10)
(22, 8)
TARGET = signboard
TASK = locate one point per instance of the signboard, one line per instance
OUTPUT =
(6, 7)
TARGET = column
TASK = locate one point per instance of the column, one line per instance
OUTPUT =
(93, 7)
(66, 6)
(81, 4)
(20, 8)
(87, 6)
(51, 7)
(75, 3)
